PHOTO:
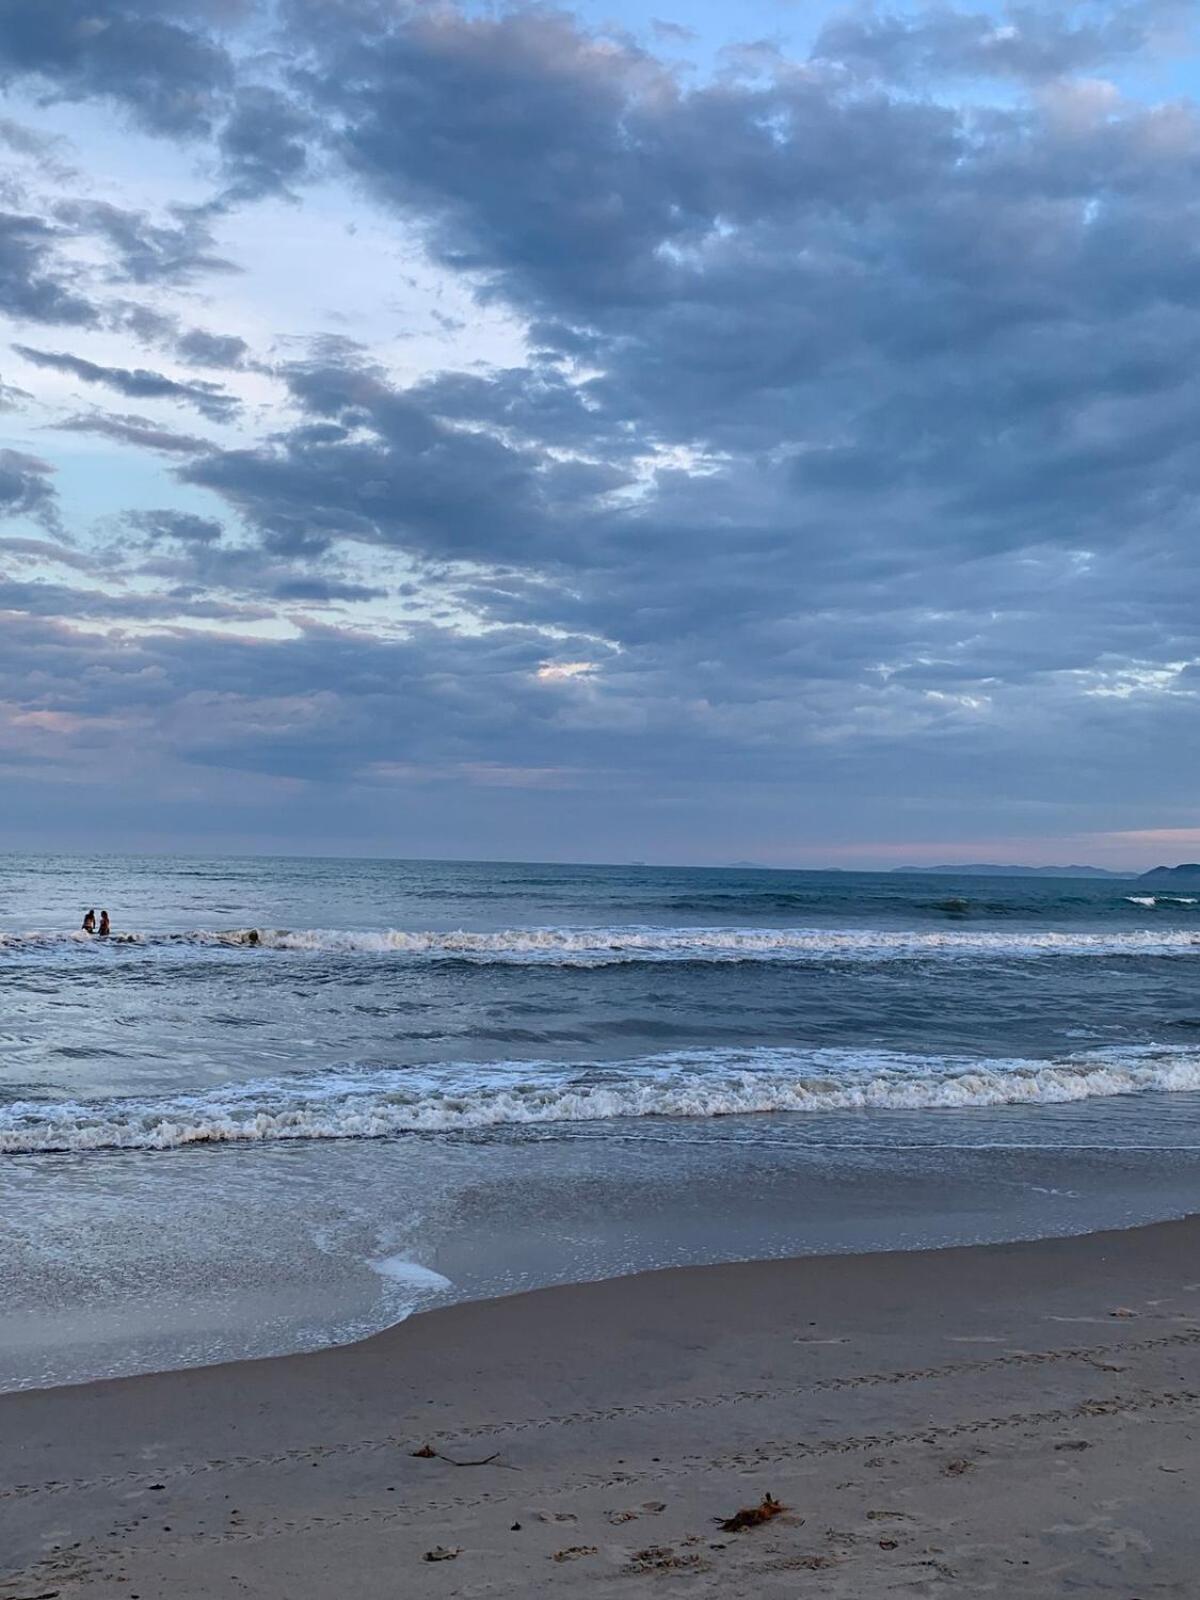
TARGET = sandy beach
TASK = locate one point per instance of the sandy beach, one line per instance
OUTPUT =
(1020, 1419)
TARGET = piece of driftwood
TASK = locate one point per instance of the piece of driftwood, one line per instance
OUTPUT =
(428, 1453)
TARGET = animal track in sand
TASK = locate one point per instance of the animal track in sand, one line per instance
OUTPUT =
(662, 1558)
(777, 1455)
(316, 1453)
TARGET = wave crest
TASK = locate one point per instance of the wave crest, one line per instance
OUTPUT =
(375, 1103)
(581, 946)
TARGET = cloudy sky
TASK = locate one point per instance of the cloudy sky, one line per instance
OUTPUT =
(659, 429)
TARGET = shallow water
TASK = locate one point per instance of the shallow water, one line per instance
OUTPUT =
(212, 1146)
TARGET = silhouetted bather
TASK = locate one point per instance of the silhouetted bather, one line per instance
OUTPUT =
(104, 928)
(89, 922)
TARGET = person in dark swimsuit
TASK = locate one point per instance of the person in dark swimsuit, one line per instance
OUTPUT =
(89, 922)
(104, 929)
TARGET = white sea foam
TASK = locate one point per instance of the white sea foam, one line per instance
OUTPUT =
(411, 1274)
(612, 945)
(1161, 899)
(373, 1103)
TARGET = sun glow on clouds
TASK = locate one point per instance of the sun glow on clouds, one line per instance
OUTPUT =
(1165, 838)
(1141, 678)
(565, 671)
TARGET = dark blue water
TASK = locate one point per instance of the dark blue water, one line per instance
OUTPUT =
(288, 1099)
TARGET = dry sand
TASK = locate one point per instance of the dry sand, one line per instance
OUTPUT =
(1017, 1420)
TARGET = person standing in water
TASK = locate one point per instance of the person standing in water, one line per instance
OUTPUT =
(89, 922)
(104, 929)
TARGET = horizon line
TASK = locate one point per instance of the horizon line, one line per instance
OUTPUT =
(908, 867)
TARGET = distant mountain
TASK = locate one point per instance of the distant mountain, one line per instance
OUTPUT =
(1188, 872)
(986, 869)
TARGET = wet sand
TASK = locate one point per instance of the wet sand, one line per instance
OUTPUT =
(1010, 1420)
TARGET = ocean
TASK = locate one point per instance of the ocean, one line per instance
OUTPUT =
(291, 1101)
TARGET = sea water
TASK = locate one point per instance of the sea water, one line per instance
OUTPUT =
(291, 1101)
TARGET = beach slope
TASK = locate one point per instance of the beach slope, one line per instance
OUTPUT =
(1019, 1419)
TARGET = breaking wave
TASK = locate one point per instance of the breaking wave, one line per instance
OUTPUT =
(377, 1103)
(1150, 900)
(603, 946)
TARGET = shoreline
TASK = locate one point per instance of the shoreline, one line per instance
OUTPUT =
(475, 1302)
(177, 1281)
(906, 1406)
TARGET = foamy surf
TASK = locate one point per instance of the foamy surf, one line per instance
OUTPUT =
(583, 946)
(398, 1269)
(377, 1103)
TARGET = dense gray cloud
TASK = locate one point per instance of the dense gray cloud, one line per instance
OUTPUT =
(39, 598)
(200, 349)
(194, 347)
(879, 320)
(41, 281)
(151, 58)
(42, 151)
(11, 397)
(135, 430)
(31, 283)
(146, 251)
(168, 64)
(315, 588)
(265, 143)
(384, 468)
(434, 732)
(853, 447)
(138, 383)
(185, 526)
(1037, 42)
(26, 488)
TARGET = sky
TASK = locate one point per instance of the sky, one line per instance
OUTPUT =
(670, 431)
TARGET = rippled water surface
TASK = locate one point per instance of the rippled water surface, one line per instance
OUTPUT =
(290, 1100)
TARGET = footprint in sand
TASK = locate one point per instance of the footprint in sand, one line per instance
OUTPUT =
(574, 1552)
